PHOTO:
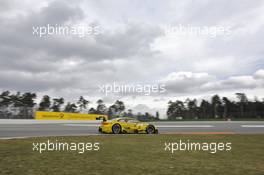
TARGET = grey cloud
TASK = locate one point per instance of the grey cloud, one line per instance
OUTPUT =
(58, 12)
(22, 81)
(4, 6)
(214, 12)
(26, 52)
(42, 64)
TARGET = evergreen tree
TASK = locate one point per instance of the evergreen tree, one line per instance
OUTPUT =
(45, 103)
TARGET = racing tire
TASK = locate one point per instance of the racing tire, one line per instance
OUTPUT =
(116, 129)
(150, 129)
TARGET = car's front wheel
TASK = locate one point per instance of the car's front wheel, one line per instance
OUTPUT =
(116, 129)
(150, 129)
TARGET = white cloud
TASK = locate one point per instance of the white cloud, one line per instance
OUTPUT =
(185, 82)
(259, 74)
(193, 83)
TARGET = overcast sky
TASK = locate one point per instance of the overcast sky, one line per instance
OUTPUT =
(135, 45)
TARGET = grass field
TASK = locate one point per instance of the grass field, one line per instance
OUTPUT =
(135, 154)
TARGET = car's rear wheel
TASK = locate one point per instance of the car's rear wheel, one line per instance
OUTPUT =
(116, 129)
(150, 129)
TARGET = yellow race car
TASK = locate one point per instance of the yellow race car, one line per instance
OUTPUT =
(126, 125)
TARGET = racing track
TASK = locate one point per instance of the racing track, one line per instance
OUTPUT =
(35, 128)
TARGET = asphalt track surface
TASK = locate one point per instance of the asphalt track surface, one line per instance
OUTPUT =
(39, 128)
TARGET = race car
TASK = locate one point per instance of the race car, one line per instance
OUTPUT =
(126, 125)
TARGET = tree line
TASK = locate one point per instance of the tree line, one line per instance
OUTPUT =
(216, 108)
(23, 105)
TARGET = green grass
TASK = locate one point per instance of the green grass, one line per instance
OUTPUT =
(135, 154)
